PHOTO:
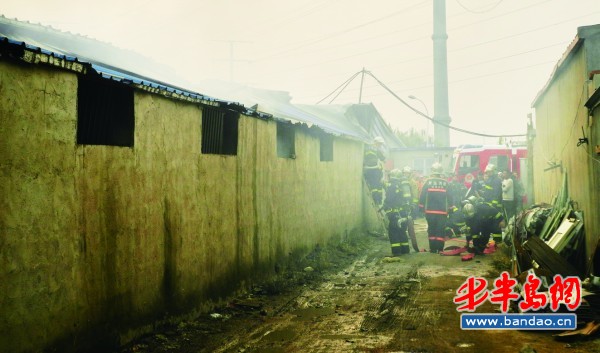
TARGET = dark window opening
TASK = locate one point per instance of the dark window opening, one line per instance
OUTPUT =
(219, 131)
(468, 164)
(500, 161)
(286, 145)
(105, 113)
(326, 148)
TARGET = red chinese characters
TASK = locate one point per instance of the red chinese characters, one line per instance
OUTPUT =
(532, 298)
(504, 291)
(473, 292)
(567, 291)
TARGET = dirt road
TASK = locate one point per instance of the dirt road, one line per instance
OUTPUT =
(357, 299)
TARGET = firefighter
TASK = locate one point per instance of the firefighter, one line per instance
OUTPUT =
(397, 206)
(373, 160)
(492, 187)
(434, 201)
(410, 190)
(456, 221)
(492, 194)
(482, 220)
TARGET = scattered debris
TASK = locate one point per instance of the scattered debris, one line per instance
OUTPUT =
(549, 240)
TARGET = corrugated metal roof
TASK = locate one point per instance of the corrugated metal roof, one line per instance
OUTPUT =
(361, 122)
(582, 33)
(331, 119)
(111, 62)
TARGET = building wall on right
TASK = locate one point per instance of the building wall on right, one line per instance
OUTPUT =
(561, 120)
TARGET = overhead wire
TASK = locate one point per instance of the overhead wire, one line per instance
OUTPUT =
(328, 36)
(467, 79)
(345, 84)
(481, 63)
(482, 11)
(416, 39)
(430, 118)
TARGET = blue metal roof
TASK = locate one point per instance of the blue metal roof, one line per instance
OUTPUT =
(128, 67)
(111, 62)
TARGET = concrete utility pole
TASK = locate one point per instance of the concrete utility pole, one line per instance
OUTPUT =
(440, 75)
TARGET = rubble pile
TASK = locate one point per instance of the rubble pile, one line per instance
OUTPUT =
(549, 240)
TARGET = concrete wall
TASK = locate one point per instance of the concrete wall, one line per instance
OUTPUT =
(560, 115)
(97, 243)
(414, 158)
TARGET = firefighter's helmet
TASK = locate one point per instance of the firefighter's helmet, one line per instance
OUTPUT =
(437, 168)
(395, 174)
(379, 140)
(407, 170)
(469, 210)
(490, 168)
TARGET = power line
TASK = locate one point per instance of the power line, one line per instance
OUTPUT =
(466, 79)
(478, 77)
(414, 109)
(314, 41)
(487, 19)
(482, 11)
(433, 120)
(345, 84)
(414, 39)
(481, 63)
(296, 14)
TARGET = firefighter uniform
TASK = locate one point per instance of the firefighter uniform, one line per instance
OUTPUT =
(373, 170)
(397, 206)
(492, 194)
(434, 201)
(482, 220)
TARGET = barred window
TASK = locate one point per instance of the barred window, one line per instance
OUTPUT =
(219, 131)
(105, 113)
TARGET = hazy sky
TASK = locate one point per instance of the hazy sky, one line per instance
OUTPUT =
(500, 52)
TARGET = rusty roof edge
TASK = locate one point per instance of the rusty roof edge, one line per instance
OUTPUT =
(575, 44)
(583, 32)
(37, 55)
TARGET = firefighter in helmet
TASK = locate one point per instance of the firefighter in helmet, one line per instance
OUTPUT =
(373, 160)
(411, 191)
(482, 220)
(434, 201)
(397, 206)
(492, 194)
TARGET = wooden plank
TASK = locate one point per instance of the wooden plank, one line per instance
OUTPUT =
(549, 259)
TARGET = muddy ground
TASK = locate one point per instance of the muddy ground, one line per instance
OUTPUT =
(355, 298)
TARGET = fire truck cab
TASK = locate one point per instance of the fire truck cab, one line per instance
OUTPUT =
(471, 160)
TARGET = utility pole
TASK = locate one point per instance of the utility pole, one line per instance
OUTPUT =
(362, 78)
(440, 76)
(232, 58)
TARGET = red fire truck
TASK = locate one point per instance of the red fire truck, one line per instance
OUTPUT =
(470, 160)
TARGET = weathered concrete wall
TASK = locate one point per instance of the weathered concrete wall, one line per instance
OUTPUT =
(97, 242)
(560, 115)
